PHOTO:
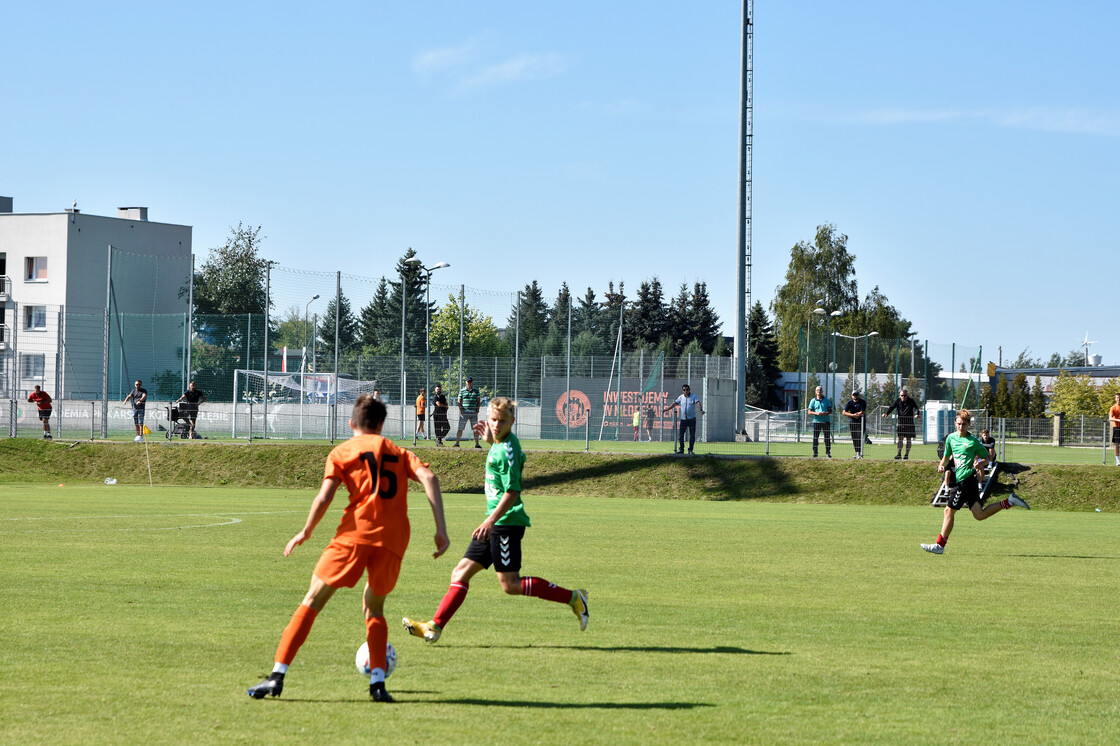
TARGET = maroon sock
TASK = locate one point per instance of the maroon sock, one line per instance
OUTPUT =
(1005, 504)
(541, 588)
(452, 600)
(941, 540)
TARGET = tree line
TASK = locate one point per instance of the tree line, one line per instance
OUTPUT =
(229, 288)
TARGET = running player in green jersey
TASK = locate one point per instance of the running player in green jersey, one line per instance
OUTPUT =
(497, 540)
(971, 457)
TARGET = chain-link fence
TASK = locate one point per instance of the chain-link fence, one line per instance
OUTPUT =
(570, 363)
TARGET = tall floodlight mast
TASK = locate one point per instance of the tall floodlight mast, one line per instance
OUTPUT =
(743, 289)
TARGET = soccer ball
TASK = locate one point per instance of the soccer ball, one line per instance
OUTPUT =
(361, 659)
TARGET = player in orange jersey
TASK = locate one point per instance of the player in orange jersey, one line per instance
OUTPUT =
(371, 538)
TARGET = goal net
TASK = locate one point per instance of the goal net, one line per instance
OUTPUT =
(310, 388)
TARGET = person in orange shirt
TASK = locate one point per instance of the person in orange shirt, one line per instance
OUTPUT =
(420, 400)
(1114, 419)
(371, 538)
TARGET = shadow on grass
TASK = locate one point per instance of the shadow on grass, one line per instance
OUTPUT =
(724, 478)
(1067, 556)
(476, 702)
(719, 649)
(573, 705)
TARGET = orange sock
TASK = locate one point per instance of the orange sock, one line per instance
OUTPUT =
(377, 637)
(295, 634)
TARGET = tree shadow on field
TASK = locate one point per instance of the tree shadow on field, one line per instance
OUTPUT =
(722, 478)
(718, 649)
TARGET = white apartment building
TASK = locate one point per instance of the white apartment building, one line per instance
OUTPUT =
(53, 290)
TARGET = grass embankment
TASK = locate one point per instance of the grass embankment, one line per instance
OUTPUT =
(1045, 486)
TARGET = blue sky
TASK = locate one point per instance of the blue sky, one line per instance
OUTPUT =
(969, 150)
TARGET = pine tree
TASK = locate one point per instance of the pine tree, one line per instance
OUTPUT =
(1038, 400)
(677, 321)
(373, 322)
(533, 321)
(347, 328)
(647, 318)
(614, 309)
(558, 314)
(415, 318)
(703, 323)
(587, 317)
(1020, 396)
(1003, 399)
(762, 362)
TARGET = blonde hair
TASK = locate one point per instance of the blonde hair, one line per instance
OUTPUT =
(503, 406)
(965, 416)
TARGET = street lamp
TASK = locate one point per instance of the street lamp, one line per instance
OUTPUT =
(828, 317)
(404, 304)
(303, 363)
(428, 340)
(865, 338)
(807, 320)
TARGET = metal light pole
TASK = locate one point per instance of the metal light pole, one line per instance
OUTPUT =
(807, 320)
(864, 337)
(428, 342)
(828, 317)
(303, 363)
(404, 305)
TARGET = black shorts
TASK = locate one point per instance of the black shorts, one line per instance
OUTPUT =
(419, 418)
(1116, 435)
(967, 493)
(503, 551)
(44, 414)
(906, 428)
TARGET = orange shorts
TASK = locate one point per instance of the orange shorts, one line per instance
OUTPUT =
(342, 566)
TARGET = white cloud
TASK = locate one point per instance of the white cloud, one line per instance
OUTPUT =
(1073, 120)
(471, 65)
(435, 61)
(521, 67)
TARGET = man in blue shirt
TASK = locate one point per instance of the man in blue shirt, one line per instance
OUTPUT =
(688, 403)
(820, 407)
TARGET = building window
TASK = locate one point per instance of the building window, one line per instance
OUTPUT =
(34, 366)
(34, 317)
(36, 269)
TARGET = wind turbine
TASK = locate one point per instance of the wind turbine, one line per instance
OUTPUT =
(1086, 344)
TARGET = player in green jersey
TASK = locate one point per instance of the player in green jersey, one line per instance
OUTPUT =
(497, 540)
(970, 457)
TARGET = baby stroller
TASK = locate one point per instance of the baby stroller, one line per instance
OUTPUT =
(178, 425)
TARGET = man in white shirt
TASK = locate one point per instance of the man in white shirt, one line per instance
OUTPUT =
(688, 403)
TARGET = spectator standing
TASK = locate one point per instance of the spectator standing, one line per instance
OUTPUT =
(138, 397)
(856, 412)
(439, 415)
(190, 399)
(43, 402)
(687, 403)
(820, 407)
(908, 415)
(650, 414)
(469, 401)
(420, 401)
(637, 421)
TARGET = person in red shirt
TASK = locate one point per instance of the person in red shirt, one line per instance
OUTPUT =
(43, 400)
(371, 538)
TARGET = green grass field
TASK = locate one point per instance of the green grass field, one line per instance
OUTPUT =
(135, 614)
